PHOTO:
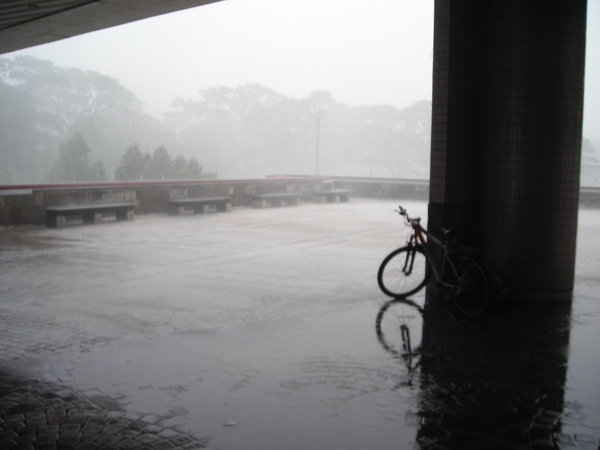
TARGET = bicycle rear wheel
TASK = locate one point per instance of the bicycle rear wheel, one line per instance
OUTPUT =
(403, 272)
(471, 295)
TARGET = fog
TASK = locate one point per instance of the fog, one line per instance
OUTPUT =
(348, 56)
(363, 52)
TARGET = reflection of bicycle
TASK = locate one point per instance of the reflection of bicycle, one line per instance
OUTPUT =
(460, 277)
(399, 327)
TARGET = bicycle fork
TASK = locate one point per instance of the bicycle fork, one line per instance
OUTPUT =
(409, 262)
(405, 332)
(410, 257)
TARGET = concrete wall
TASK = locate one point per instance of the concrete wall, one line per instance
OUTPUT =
(25, 205)
(384, 188)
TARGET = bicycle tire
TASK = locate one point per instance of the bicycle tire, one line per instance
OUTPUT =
(403, 272)
(399, 328)
(472, 296)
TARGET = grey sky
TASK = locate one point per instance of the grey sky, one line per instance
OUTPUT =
(362, 51)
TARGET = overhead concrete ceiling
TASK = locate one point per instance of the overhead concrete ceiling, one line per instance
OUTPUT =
(27, 23)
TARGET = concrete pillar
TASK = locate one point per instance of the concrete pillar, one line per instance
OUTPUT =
(506, 134)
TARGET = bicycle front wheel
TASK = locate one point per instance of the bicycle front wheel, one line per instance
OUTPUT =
(399, 328)
(471, 296)
(403, 272)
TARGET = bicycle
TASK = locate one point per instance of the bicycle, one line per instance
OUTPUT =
(408, 269)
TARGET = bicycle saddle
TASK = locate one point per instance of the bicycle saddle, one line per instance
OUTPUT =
(450, 235)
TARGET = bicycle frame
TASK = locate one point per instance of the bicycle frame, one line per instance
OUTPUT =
(418, 235)
(459, 276)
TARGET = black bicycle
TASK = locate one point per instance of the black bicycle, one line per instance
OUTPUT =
(459, 275)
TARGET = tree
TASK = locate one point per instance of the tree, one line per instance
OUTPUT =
(73, 163)
(20, 158)
(387, 141)
(193, 169)
(135, 165)
(160, 165)
(98, 171)
(132, 164)
(43, 104)
(146, 161)
(178, 168)
(250, 130)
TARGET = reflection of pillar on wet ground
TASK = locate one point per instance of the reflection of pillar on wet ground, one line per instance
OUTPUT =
(505, 153)
(506, 134)
(495, 380)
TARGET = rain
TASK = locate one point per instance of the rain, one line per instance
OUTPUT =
(193, 211)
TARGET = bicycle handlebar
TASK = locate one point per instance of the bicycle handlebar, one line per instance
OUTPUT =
(413, 222)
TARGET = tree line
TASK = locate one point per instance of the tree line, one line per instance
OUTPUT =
(242, 132)
(48, 113)
(73, 164)
(159, 165)
(248, 131)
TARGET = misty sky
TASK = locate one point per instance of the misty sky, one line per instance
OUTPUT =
(362, 51)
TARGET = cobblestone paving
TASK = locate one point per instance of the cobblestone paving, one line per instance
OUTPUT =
(38, 415)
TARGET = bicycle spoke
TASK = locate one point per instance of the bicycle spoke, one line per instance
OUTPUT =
(403, 272)
(399, 328)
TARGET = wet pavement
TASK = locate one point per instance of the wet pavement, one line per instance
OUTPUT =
(256, 329)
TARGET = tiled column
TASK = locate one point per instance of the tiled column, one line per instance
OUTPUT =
(454, 140)
(506, 134)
